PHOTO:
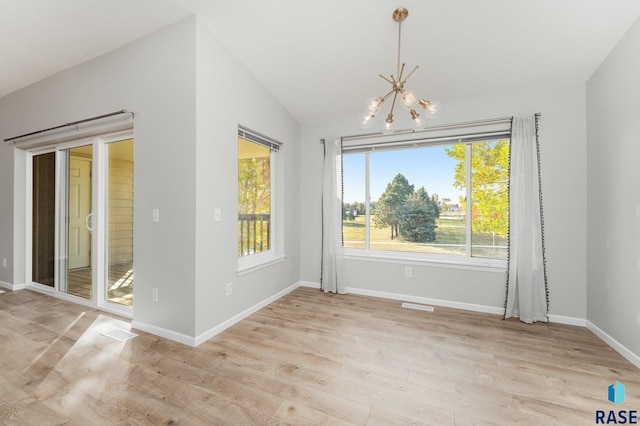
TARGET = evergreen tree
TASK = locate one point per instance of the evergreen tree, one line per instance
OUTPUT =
(388, 207)
(436, 204)
(418, 218)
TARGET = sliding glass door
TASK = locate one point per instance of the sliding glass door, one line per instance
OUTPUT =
(76, 220)
(82, 221)
(43, 219)
(120, 223)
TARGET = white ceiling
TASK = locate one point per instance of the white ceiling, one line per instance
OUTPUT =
(322, 58)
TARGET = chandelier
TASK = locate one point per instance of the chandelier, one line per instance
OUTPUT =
(408, 99)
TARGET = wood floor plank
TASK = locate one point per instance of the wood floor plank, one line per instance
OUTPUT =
(309, 358)
(297, 414)
(30, 412)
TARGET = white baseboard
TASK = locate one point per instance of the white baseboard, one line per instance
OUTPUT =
(163, 332)
(242, 315)
(12, 287)
(415, 299)
(617, 346)
(308, 284)
(195, 341)
(428, 301)
(559, 319)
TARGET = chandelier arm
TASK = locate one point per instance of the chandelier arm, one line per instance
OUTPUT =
(400, 74)
(409, 75)
(393, 104)
(385, 97)
(390, 82)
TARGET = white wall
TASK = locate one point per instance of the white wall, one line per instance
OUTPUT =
(154, 77)
(228, 95)
(563, 151)
(189, 94)
(613, 219)
(6, 212)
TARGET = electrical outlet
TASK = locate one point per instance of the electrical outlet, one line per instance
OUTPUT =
(154, 294)
(408, 272)
(4, 263)
(217, 215)
(229, 289)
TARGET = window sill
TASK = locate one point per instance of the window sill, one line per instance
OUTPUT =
(255, 265)
(474, 264)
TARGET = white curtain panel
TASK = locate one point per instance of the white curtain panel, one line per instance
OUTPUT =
(333, 278)
(527, 295)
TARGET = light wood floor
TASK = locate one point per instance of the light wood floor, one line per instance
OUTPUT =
(119, 288)
(308, 358)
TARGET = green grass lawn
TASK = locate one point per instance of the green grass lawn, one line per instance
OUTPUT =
(450, 239)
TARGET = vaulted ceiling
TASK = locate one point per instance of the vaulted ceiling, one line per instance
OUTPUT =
(322, 58)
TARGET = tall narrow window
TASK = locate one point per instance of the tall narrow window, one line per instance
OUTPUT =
(256, 165)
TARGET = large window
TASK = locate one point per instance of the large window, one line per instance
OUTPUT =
(440, 200)
(256, 184)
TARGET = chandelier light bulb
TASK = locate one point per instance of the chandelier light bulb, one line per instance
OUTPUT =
(367, 120)
(431, 108)
(409, 99)
(417, 121)
(374, 104)
(388, 125)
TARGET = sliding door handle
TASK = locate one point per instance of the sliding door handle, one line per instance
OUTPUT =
(88, 221)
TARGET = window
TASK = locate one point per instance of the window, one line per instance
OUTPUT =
(257, 157)
(441, 200)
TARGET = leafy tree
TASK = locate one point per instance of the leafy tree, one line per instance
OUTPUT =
(489, 184)
(446, 204)
(254, 185)
(346, 208)
(350, 210)
(388, 207)
(418, 218)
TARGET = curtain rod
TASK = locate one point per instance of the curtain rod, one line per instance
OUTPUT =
(428, 129)
(111, 114)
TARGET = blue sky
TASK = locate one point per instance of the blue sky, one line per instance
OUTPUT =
(429, 167)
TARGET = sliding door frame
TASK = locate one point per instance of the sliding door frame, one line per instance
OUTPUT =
(99, 208)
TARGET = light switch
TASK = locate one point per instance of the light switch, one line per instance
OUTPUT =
(156, 215)
(217, 215)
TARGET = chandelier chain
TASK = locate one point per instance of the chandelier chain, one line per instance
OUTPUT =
(399, 39)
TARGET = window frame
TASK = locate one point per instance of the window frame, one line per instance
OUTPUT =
(256, 261)
(466, 261)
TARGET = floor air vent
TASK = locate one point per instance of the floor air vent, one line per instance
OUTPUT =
(119, 334)
(418, 307)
